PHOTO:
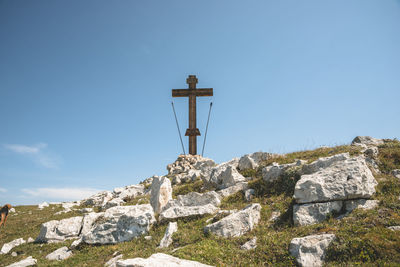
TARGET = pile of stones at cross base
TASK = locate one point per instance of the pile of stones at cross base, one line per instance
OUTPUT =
(337, 185)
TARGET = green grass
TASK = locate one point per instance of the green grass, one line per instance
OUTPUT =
(362, 237)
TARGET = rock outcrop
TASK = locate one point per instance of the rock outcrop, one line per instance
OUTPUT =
(329, 183)
(159, 259)
(252, 161)
(58, 231)
(161, 193)
(24, 263)
(7, 247)
(309, 251)
(237, 223)
(274, 171)
(119, 224)
(225, 176)
(59, 254)
(167, 238)
(176, 212)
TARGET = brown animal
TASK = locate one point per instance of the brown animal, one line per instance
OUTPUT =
(4, 214)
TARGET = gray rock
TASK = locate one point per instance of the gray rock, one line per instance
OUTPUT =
(274, 171)
(233, 189)
(367, 140)
(59, 231)
(176, 212)
(312, 213)
(237, 223)
(112, 203)
(10, 245)
(119, 224)
(394, 228)
(323, 163)
(76, 243)
(251, 244)
(14, 254)
(99, 199)
(226, 176)
(159, 260)
(310, 251)
(89, 221)
(200, 199)
(396, 173)
(59, 254)
(24, 263)
(128, 192)
(252, 161)
(189, 168)
(113, 261)
(161, 193)
(249, 194)
(274, 216)
(364, 204)
(86, 210)
(167, 238)
(148, 237)
(345, 179)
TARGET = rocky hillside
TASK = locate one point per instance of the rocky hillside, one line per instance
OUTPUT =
(332, 206)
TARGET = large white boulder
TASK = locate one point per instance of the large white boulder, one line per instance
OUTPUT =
(159, 260)
(274, 171)
(99, 199)
(128, 192)
(225, 176)
(59, 254)
(306, 214)
(7, 247)
(89, 221)
(237, 223)
(24, 263)
(167, 238)
(189, 167)
(161, 193)
(252, 161)
(119, 224)
(367, 141)
(43, 205)
(345, 179)
(310, 251)
(175, 212)
(323, 163)
(59, 231)
(242, 186)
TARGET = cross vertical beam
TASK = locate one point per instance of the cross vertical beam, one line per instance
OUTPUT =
(192, 92)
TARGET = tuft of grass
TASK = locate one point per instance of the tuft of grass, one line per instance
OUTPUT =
(183, 189)
(389, 156)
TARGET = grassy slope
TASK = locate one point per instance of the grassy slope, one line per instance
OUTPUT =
(362, 237)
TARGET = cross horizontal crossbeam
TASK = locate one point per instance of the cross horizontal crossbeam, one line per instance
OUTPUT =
(188, 92)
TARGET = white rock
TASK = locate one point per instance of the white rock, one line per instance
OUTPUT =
(323, 163)
(76, 243)
(309, 251)
(237, 223)
(200, 199)
(343, 180)
(86, 210)
(24, 263)
(113, 261)
(119, 224)
(12, 210)
(30, 240)
(69, 205)
(396, 173)
(14, 254)
(10, 245)
(364, 204)
(89, 221)
(252, 161)
(128, 192)
(159, 260)
(217, 170)
(233, 189)
(112, 203)
(394, 228)
(367, 140)
(251, 244)
(58, 231)
(148, 237)
(312, 213)
(274, 216)
(99, 199)
(43, 205)
(274, 171)
(249, 194)
(167, 238)
(59, 254)
(225, 177)
(161, 193)
(176, 212)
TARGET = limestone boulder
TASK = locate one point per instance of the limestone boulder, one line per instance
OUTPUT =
(311, 213)
(310, 251)
(189, 168)
(200, 199)
(7, 247)
(345, 179)
(167, 238)
(175, 212)
(237, 223)
(323, 163)
(119, 224)
(128, 192)
(99, 199)
(24, 263)
(274, 171)
(112, 203)
(367, 141)
(396, 173)
(59, 254)
(225, 176)
(89, 221)
(159, 260)
(113, 261)
(249, 245)
(43, 205)
(58, 231)
(241, 186)
(365, 204)
(161, 193)
(252, 161)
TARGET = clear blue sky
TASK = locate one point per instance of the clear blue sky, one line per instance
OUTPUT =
(85, 86)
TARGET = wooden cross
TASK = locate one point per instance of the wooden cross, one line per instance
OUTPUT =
(192, 93)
